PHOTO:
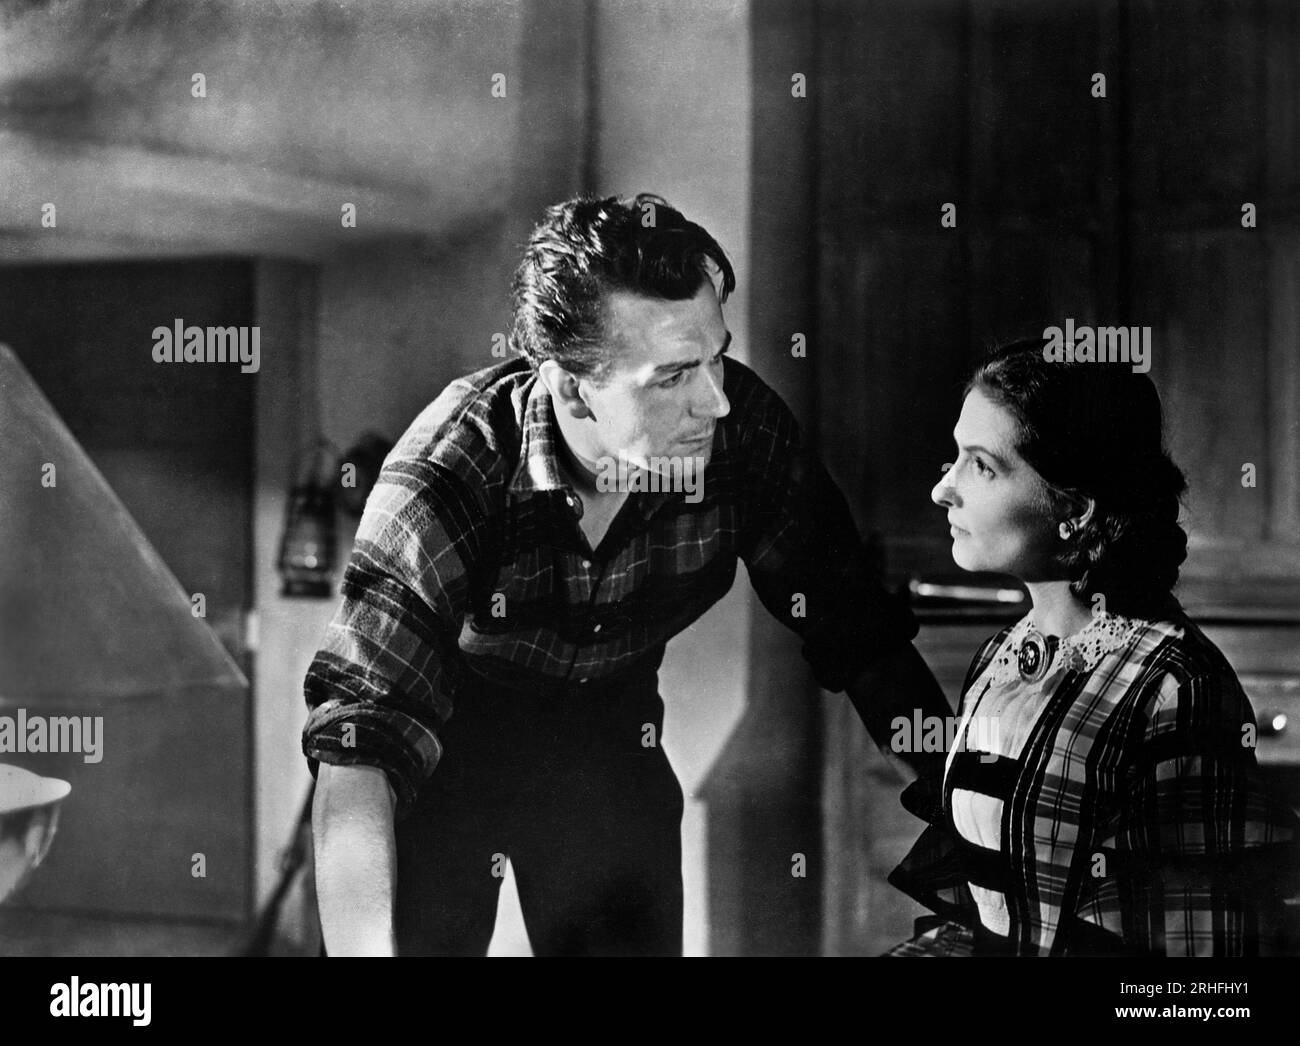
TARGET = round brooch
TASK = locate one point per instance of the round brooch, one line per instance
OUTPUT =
(1032, 658)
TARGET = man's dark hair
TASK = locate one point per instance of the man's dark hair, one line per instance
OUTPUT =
(585, 248)
(1096, 429)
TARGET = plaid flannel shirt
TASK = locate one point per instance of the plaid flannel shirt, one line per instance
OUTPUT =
(469, 569)
(1134, 821)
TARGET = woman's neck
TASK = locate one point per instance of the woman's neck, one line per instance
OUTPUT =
(1057, 610)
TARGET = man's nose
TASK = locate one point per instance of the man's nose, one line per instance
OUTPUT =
(713, 402)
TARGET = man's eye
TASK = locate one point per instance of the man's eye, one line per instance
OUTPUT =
(676, 379)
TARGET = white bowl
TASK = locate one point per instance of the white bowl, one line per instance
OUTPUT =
(29, 817)
(21, 789)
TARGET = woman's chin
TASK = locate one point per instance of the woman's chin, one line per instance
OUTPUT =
(963, 555)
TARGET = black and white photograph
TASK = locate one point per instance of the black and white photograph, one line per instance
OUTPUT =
(598, 478)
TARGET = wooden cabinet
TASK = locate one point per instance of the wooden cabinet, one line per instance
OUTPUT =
(866, 827)
(1119, 210)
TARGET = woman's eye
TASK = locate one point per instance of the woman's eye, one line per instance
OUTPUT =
(984, 469)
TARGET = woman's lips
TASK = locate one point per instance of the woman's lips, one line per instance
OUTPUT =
(957, 531)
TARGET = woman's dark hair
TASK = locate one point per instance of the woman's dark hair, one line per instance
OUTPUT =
(584, 249)
(1095, 429)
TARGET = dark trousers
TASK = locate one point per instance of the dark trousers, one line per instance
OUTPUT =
(587, 813)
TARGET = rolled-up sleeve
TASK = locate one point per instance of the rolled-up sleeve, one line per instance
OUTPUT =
(806, 559)
(376, 690)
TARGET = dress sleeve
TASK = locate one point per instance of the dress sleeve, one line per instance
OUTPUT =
(376, 689)
(1199, 855)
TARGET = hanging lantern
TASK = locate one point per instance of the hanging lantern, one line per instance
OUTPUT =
(366, 457)
(309, 545)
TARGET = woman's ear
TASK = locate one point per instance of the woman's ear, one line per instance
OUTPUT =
(1079, 511)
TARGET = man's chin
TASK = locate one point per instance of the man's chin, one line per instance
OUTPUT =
(685, 456)
(685, 462)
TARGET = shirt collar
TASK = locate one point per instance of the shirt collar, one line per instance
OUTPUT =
(538, 470)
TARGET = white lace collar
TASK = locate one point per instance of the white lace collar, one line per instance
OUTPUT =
(1080, 652)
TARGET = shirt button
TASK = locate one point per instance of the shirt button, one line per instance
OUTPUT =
(595, 628)
(583, 679)
(586, 564)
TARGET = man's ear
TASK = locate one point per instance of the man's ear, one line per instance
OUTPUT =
(564, 389)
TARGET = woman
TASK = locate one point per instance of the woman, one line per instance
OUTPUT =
(1103, 796)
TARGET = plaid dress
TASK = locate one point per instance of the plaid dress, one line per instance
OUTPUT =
(1118, 810)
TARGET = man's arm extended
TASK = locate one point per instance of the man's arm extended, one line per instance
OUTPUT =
(804, 551)
(899, 684)
(356, 860)
(376, 689)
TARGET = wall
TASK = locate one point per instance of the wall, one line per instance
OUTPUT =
(283, 632)
(764, 824)
(673, 101)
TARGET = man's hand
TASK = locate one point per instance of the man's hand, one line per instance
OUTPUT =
(897, 685)
(356, 859)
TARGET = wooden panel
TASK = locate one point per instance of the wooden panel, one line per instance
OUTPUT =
(1283, 478)
(890, 367)
(761, 808)
(1270, 649)
(1195, 98)
(1282, 94)
(1035, 132)
(891, 113)
(867, 828)
(1203, 295)
(1022, 282)
(869, 832)
(1267, 661)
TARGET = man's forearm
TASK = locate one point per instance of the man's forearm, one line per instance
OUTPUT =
(900, 684)
(356, 859)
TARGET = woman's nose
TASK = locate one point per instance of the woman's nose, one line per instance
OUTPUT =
(942, 494)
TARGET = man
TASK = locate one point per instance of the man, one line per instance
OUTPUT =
(498, 576)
